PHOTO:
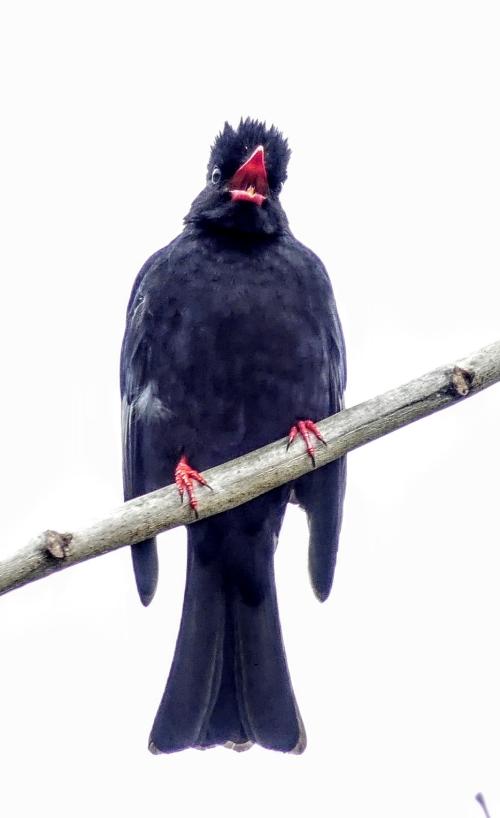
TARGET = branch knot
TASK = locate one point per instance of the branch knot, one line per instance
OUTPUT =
(461, 381)
(57, 544)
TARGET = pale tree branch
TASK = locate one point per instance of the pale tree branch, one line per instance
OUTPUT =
(246, 477)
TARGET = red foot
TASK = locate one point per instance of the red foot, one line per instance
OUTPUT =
(184, 476)
(303, 428)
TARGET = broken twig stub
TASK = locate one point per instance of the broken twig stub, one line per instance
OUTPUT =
(57, 544)
(462, 380)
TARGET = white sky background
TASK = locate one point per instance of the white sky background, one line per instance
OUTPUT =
(392, 112)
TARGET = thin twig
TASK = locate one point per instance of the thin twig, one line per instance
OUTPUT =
(246, 477)
(480, 800)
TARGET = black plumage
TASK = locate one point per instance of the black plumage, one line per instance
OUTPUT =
(232, 337)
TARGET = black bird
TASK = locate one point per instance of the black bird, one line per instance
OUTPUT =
(232, 341)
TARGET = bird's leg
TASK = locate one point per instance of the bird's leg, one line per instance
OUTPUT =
(184, 476)
(302, 428)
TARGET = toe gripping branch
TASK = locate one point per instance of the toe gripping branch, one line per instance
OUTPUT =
(303, 428)
(184, 476)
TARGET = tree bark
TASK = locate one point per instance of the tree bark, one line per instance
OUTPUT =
(253, 474)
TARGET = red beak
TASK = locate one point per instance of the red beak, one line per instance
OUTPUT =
(249, 183)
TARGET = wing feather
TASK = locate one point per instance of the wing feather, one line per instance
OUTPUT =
(321, 492)
(134, 378)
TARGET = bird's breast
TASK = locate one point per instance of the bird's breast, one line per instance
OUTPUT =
(239, 350)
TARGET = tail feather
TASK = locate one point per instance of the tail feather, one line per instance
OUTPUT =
(263, 681)
(229, 682)
(195, 674)
(224, 723)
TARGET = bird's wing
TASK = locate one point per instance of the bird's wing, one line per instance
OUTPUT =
(134, 380)
(321, 492)
(137, 379)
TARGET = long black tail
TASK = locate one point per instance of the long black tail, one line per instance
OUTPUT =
(229, 682)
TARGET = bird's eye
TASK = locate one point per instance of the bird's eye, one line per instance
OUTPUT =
(216, 175)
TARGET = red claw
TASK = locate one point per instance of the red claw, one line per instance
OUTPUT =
(184, 476)
(302, 428)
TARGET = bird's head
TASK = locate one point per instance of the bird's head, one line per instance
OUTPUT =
(246, 171)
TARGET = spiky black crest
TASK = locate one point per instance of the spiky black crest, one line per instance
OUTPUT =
(214, 209)
(232, 147)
